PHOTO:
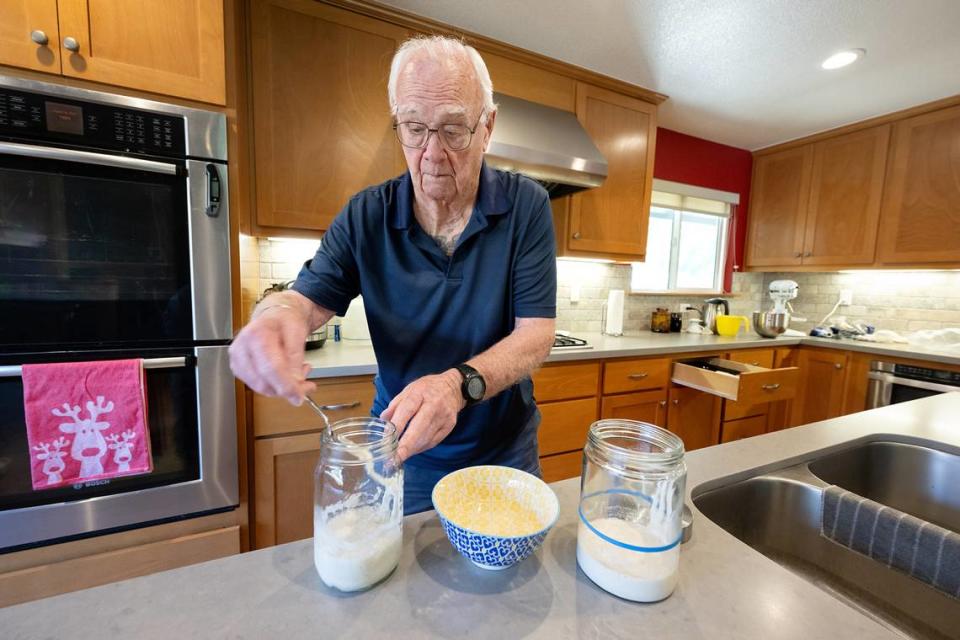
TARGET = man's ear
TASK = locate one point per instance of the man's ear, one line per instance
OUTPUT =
(488, 125)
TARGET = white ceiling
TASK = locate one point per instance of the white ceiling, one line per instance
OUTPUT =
(741, 72)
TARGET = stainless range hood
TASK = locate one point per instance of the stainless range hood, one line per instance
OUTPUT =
(546, 144)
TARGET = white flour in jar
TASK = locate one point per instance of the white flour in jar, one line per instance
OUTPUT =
(356, 548)
(632, 575)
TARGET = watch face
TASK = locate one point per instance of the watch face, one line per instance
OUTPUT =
(475, 388)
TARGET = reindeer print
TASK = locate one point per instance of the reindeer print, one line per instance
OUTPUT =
(121, 449)
(89, 445)
(53, 462)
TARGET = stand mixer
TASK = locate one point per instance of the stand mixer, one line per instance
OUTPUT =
(770, 324)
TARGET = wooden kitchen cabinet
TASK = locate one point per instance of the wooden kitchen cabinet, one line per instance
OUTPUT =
(612, 219)
(322, 125)
(19, 19)
(283, 488)
(824, 374)
(694, 416)
(174, 48)
(778, 207)
(521, 80)
(733, 410)
(844, 205)
(920, 219)
(567, 396)
(343, 397)
(646, 406)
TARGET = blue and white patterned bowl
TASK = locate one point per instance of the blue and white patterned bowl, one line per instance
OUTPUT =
(495, 516)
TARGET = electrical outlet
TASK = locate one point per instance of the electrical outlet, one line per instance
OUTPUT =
(846, 297)
(575, 293)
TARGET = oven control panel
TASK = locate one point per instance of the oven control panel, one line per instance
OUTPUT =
(42, 118)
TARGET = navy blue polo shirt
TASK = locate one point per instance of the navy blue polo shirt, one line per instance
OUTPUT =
(428, 312)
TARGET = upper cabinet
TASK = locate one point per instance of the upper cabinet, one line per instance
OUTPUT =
(920, 222)
(612, 219)
(175, 47)
(29, 35)
(322, 124)
(818, 204)
(780, 192)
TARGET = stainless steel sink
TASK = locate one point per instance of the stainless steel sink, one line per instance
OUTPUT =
(778, 514)
(921, 481)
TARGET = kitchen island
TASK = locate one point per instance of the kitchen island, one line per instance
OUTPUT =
(726, 589)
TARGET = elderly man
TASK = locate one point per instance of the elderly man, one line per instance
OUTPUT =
(456, 265)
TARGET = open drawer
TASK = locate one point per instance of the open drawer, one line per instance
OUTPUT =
(738, 381)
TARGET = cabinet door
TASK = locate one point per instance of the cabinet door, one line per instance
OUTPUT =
(283, 488)
(527, 82)
(744, 428)
(648, 406)
(565, 425)
(19, 19)
(845, 195)
(778, 207)
(823, 374)
(322, 124)
(920, 218)
(561, 466)
(613, 218)
(694, 416)
(175, 47)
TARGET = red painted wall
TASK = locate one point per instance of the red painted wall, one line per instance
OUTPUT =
(690, 160)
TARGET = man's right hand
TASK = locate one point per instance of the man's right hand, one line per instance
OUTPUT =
(268, 354)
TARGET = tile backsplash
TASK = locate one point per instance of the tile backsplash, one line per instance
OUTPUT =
(902, 301)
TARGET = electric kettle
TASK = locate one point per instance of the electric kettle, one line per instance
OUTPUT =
(710, 310)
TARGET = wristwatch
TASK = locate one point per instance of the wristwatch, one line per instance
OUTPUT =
(473, 386)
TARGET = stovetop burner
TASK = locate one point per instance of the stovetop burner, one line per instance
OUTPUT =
(569, 342)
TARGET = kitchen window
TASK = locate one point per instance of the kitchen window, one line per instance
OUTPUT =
(686, 240)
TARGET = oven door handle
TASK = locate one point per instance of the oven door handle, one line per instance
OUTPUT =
(16, 370)
(87, 157)
(888, 378)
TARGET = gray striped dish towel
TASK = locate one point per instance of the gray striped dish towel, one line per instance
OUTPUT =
(916, 547)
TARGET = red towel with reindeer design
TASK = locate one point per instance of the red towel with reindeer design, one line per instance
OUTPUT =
(86, 421)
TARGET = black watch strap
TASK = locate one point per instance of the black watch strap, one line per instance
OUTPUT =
(473, 387)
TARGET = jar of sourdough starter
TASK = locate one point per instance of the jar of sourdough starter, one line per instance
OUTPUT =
(631, 506)
(358, 504)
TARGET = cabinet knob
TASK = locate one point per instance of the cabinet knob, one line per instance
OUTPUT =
(663, 403)
(798, 254)
(71, 44)
(808, 254)
(838, 366)
(676, 402)
(576, 236)
(39, 37)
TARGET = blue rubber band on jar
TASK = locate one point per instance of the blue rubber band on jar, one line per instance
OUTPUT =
(623, 545)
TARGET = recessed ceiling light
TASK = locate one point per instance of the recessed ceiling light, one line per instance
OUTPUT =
(843, 58)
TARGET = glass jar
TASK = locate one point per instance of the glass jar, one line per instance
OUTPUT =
(660, 321)
(631, 507)
(358, 504)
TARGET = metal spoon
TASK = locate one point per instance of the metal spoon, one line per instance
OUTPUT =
(316, 408)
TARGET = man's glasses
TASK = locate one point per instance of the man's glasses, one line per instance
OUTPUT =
(455, 137)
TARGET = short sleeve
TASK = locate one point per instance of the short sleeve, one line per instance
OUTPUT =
(331, 278)
(535, 269)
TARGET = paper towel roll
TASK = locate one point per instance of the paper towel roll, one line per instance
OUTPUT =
(614, 325)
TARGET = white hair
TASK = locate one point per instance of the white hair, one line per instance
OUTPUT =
(441, 48)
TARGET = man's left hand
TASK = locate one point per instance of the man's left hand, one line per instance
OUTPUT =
(425, 412)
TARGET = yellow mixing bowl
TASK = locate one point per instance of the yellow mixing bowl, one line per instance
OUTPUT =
(730, 325)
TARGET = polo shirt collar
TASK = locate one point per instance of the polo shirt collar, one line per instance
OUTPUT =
(491, 199)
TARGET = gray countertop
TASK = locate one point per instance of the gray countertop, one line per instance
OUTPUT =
(356, 357)
(726, 589)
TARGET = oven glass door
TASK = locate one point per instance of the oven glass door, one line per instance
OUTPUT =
(92, 255)
(172, 421)
(903, 393)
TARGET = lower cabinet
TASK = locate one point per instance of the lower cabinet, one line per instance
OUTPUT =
(823, 378)
(566, 395)
(694, 416)
(646, 406)
(743, 428)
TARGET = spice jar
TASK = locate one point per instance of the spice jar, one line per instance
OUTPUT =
(358, 504)
(631, 506)
(660, 321)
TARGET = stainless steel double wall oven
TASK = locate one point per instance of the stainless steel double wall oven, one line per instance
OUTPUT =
(115, 243)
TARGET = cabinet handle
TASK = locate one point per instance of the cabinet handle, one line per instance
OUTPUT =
(771, 387)
(798, 254)
(755, 364)
(637, 376)
(39, 37)
(838, 366)
(71, 44)
(676, 402)
(663, 403)
(576, 236)
(343, 405)
(808, 254)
